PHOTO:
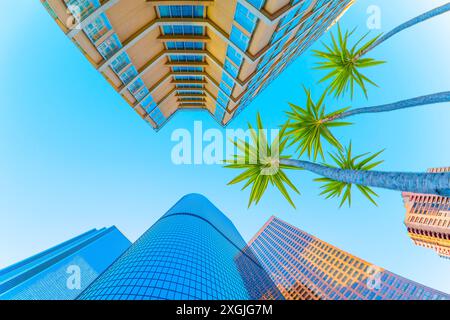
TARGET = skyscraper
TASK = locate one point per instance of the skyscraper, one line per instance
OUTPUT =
(213, 55)
(304, 268)
(64, 271)
(428, 219)
(193, 252)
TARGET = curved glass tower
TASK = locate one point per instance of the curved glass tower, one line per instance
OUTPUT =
(193, 252)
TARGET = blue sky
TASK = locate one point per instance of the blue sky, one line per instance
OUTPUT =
(74, 156)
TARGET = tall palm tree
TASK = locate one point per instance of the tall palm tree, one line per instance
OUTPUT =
(309, 126)
(345, 62)
(337, 180)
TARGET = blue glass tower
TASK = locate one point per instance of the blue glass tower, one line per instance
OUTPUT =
(64, 271)
(193, 252)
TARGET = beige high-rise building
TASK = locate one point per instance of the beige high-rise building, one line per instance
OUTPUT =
(304, 267)
(216, 55)
(428, 219)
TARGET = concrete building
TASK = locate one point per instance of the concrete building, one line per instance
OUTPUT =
(428, 219)
(307, 268)
(214, 55)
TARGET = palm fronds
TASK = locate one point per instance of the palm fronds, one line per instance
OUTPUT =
(309, 126)
(345, 160)
(345, 63)
(260, 161)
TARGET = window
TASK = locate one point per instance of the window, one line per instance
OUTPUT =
(225, 88)
(136, 86)
(80, 9)
(229, 81)
(183, 11)
(219, 113)
(230, 68)
(141, 94)
(185, 45)
(120, 62)
(98, 28)
(157, 116)
(239, 38)
(186, 58)
(187, 69)
(148, 104)
(110, 46)
(189, 86)
(191, 92)
(258, 4)
(245, 18)
(128, 75)
(183, 30)
(188, 78)
(234, 56)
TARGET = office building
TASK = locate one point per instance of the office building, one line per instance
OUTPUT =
(212, 55)
(428, 219)
(64, 271)
(193, 252)
(307, 268)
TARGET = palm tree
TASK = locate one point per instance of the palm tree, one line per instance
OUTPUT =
(309, 126)
(345, 63)
(337, 180)
(265, 168)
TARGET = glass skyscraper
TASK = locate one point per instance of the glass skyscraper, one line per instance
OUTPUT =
(307, 268)
(193, 252)
(64, 271)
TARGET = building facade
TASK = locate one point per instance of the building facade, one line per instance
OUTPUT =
(64, 271)
(307, 268)
(428, 219)
(190, 253)
(213, 55)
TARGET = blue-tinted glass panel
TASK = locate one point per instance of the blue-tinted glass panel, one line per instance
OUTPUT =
(98, 28)
(234, 56)
(110, 46)
(239, 38)
(258, 4)
(245, 18)
(120, 62)
(230, 68)
(183, 11)
(176, 30)
(189, 45)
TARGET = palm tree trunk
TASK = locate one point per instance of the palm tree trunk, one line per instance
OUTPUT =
(428, 183)
(423, 17)
(414, 102)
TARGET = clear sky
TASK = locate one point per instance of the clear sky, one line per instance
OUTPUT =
(74, 156)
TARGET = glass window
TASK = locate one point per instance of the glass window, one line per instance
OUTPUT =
(120, 62)
(183, 30)
(186, 58)
(128, 75)
(239, 38)
(230, 68)
(110, 46)
(234, 55)
(80, 9)
(188, 78)
(98, 28)
(187, 69)
(183, 11)
(245, 18)
(258, 4)
(189, 45)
